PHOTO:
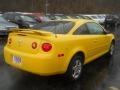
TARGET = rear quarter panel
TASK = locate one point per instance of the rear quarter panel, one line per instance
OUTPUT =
(69, 45)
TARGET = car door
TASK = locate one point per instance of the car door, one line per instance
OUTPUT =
(100, 38)
(86, 41)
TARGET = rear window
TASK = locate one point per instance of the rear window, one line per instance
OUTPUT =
(57, 27)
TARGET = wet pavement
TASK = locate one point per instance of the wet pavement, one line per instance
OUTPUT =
(102, 74)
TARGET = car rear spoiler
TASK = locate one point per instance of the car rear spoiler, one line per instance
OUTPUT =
(31, 31)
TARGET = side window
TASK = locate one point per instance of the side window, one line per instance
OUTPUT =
(11, 17)
(82, 30)
(95, 28)
(17, 18)
(8, 17)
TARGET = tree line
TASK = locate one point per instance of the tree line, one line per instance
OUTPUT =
(62, 6)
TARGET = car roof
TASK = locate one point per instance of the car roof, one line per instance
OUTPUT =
(12, 13)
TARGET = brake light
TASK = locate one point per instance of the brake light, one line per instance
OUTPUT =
(34, 45)
(46, 47)
(9, 41)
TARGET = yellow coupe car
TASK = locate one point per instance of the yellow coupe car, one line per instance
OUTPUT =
(58, 47)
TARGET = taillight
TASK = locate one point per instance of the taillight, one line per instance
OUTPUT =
(46, 47)
(9, 41)
(34, 45)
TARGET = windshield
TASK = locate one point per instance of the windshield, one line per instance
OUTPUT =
(27, 19)
(2, 19)
(57, 27)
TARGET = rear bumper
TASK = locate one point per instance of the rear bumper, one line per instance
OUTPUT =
(38, 64)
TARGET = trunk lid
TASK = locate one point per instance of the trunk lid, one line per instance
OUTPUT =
(22, 40)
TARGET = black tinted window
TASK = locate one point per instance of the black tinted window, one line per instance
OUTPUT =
(81, 30)
(95, 28)
(58, 27)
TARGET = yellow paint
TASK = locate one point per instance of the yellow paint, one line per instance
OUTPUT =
(48, 63)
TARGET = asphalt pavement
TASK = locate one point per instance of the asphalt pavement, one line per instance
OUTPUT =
(102, 74)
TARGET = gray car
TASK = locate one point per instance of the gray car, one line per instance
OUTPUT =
(5, 26)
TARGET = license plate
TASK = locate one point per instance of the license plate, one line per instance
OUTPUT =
(16, 59)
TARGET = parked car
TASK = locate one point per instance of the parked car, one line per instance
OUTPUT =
(86, 17)
(44, 19)
(73, 17)
(81, 16)
(101, 19)
(5, 26)
(95, 18)
(58, 47)
(112, 21)
(39, 17)
(1, 13)
(61, 16)
(23, 21)
(51, 16)
(35, 17)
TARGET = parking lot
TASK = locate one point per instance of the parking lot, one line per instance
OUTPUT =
(102, 74)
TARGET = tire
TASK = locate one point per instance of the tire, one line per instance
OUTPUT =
(75, 68)
(111, 50)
